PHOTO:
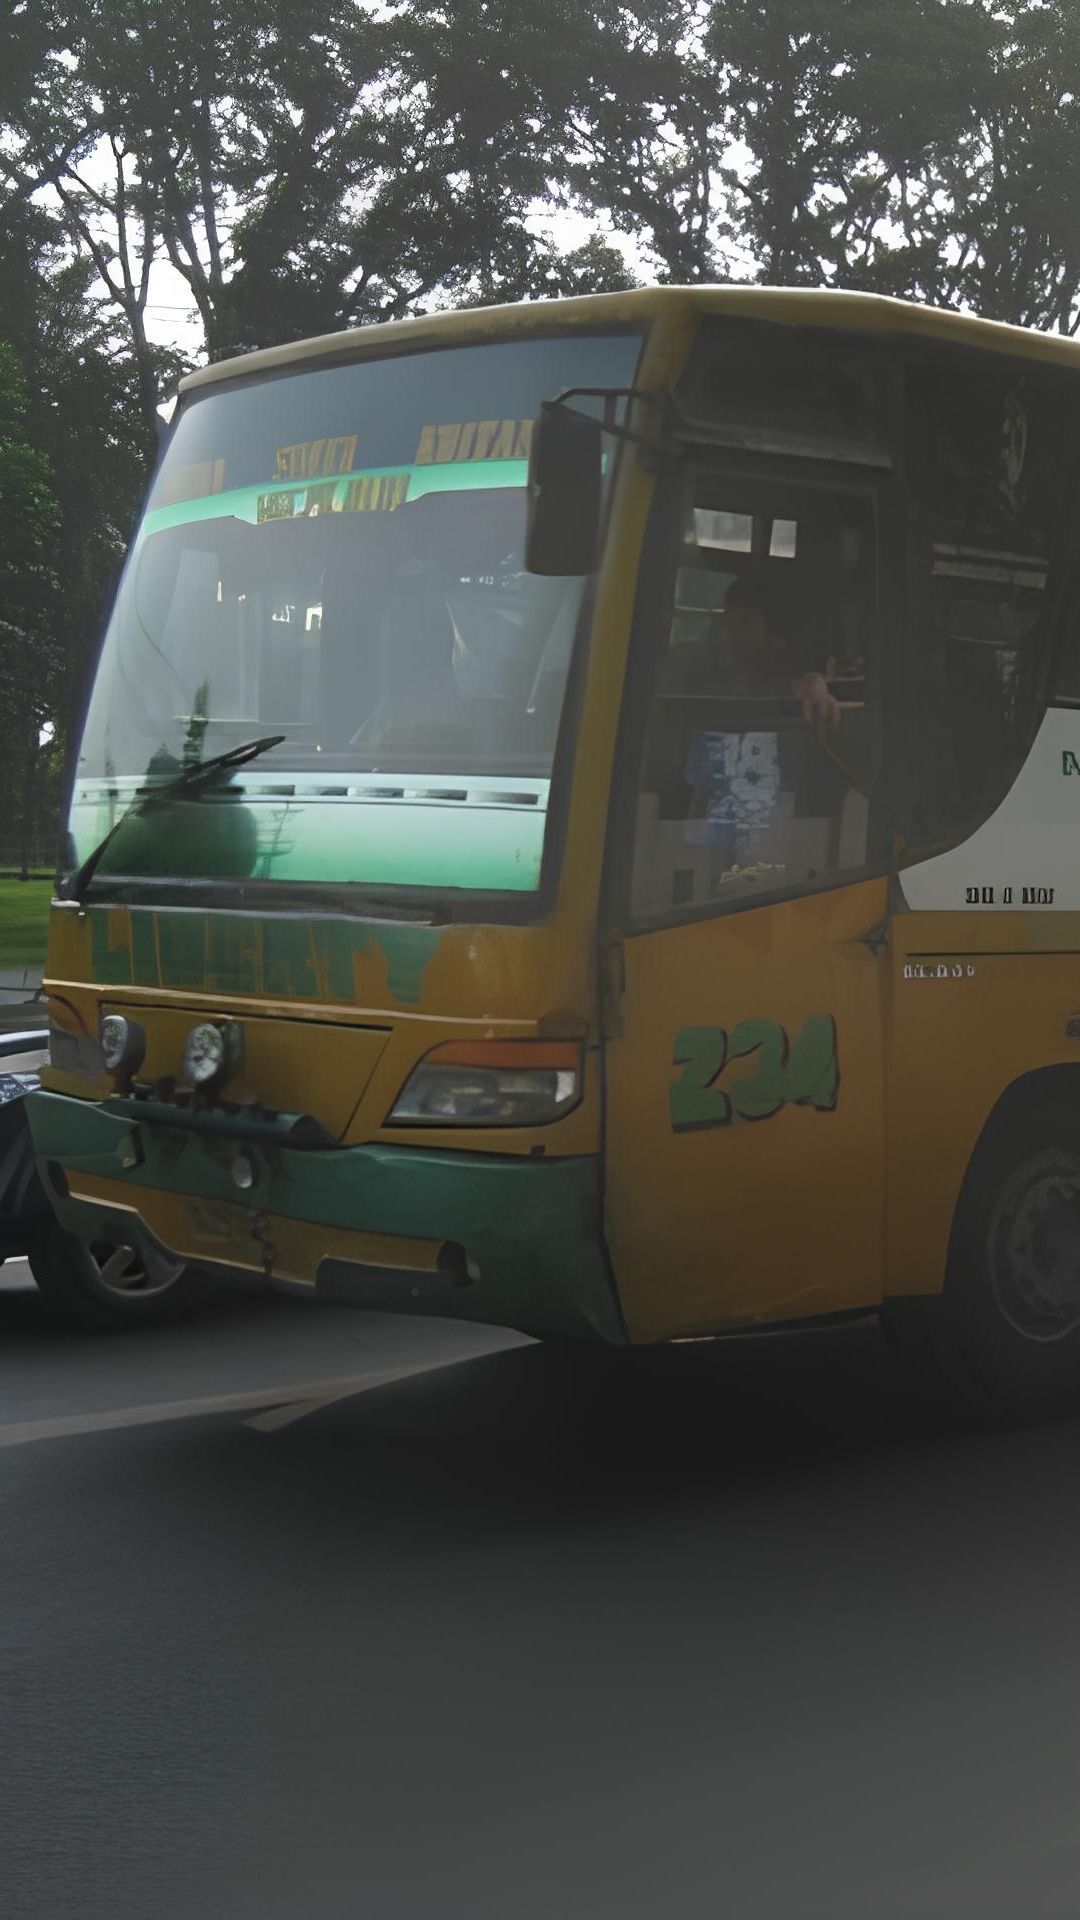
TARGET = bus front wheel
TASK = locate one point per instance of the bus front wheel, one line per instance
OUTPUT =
(1002, 1340)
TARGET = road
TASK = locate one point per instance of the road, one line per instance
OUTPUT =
(511, 1635)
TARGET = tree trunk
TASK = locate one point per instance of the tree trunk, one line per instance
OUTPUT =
(26, 823)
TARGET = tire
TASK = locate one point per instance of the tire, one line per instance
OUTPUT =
(108, 1287)
(1002, 1340)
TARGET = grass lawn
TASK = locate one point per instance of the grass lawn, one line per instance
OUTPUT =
(24, 913)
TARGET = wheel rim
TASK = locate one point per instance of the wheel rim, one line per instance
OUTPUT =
(121, 1274)
(1035, 1248)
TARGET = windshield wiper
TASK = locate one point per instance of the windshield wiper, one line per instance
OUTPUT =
(188, 780)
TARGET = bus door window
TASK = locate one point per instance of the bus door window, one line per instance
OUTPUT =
(761, 741)
(989, 454)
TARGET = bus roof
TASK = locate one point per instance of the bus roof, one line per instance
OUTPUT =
(854, 312)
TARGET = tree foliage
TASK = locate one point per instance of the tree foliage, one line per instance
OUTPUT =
(304, 165)
(30, 660)
(73, 454)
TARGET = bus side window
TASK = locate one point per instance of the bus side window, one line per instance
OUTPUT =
(988, 456)
(761, 741)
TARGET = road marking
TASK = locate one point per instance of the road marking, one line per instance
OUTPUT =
(277, 1417)
(15, 1275)
(298, 1408)
(284, 1403)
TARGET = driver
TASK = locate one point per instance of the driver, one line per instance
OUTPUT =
(738, 777)
(751, 654)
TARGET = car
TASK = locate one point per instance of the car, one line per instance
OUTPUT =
(101, 1285)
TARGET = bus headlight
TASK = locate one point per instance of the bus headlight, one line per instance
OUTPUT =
(491, 1083)
(212, 1051)
(123, 1044)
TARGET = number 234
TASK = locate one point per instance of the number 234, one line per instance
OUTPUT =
(801, 1074)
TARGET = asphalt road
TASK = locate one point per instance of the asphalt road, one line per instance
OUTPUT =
(724, 1632)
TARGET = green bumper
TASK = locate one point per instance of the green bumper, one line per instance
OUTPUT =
(530, 1231)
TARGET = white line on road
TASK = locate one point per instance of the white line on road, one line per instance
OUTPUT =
(15, 1275)
(277, 1417)
(285, 1403)
(299, 1406)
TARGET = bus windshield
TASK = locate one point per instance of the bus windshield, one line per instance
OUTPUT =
(336, 556)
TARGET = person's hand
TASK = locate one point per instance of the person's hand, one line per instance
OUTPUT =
(820, 710)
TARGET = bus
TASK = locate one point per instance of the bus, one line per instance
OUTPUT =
(576, 827)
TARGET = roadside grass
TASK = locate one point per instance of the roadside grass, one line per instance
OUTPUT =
(24, 917)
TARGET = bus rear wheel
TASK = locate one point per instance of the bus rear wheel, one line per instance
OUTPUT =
(1002, 1340)
(102, 1285)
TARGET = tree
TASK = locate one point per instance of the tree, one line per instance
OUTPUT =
(1000, 231)
(643, 138)
(29, 658)
(309, 166)
(844, 112)
(72, 418)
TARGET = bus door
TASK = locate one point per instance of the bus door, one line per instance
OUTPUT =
(984, 957)
(746, 972)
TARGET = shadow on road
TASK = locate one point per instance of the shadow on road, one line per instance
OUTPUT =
(714, 1629)
(27, 1323)
(510, 1443)
(703, 1593)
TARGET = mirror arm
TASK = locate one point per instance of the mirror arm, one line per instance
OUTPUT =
(609, 395)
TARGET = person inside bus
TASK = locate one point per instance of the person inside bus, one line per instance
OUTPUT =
(738, 777)
(751, 653)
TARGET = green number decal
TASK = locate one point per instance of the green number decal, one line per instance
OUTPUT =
(805, 1075)
(701, 1052)
(758, 1095)
(813, 1076)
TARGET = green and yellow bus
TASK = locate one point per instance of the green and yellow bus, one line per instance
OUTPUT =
(577, 826)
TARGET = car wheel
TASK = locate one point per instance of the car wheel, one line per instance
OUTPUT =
(1002, 1340)
(102, 1284)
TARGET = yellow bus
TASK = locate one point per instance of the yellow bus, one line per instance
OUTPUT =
(576, 828)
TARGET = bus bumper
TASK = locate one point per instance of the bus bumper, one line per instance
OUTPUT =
(515, 1243)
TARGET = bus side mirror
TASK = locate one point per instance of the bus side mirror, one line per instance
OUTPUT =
(563, 514)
